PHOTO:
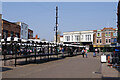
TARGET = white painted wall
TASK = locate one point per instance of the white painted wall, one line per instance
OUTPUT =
(24, 31)
(81, 34)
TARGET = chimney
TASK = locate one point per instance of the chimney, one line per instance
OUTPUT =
(36, 37)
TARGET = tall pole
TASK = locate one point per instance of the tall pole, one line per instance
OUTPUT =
(56, 22)
(56, 28)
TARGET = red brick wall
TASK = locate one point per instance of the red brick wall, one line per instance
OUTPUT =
(10, 27)
(31, 34)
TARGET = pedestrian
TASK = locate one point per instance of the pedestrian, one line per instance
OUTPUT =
(83, 52)
(98, 52)
(86, 53)
(94, 53)
(62, 52)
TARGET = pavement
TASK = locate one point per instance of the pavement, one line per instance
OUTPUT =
(70, 67)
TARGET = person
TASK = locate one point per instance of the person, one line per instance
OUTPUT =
(62, 52)
(86, 53)
(94, 53)
(98, 52)
(83, 52)
(75, 51)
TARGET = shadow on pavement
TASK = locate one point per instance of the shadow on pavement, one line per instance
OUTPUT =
(38, 61)
(110, 78)
(5, 69)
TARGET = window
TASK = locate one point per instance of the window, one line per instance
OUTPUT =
(17, 35)
(82, 37)
(109, 40)
(97, 41)
(90, 37)
(106, 34)
(109, 34)
(115, 34)
(67, 38)
(12, 34)
(5, 34)
(98, 34)
(22, 32)
(106, 41)
(77, 38)
(86, 37)
(100, 41)
(72, 38)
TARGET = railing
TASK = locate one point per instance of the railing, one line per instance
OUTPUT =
(15, 50)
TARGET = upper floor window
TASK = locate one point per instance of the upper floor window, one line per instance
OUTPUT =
(86, 37)
(100, 41)
(12, 34)
(5, 34)
(106, 34)
(82, 37)
(106, 41)
(115, 34)
(67, 38)
(77, 38)
(17, 35)
(98, 34)
(97, 41)
(109, 34)
(90, 37)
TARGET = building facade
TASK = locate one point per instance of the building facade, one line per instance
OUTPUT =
(30, 34)
(118, 22)
(105, 38)
(0, 33)
(61, 39)
(78, 37)
(10, 29)
(24, 30)
(0, 27)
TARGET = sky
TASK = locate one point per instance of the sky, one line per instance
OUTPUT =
(72, 16)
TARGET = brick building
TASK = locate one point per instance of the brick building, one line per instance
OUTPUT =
(30, 34)
(10, 29)
(105, 38)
